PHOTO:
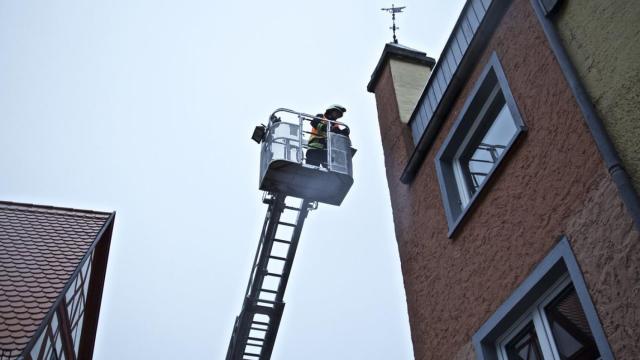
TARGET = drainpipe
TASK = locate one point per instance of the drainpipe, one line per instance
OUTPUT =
(594, 123)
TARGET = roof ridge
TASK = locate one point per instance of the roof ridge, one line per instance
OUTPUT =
(51, 209)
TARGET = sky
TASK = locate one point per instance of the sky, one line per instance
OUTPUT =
(146, 107)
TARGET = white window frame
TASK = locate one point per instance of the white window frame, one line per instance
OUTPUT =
(537, 315)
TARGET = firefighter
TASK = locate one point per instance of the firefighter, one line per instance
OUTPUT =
(317, 152)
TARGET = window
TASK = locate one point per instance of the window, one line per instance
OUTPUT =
(486, 128)
(550, 316)
(554, 328)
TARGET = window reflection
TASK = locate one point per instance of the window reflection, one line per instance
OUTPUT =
(556, 328)
(525, 346)
(571, 332)
(492, 132)
(486, 153)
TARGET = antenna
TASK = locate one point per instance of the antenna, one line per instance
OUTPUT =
(393, 10)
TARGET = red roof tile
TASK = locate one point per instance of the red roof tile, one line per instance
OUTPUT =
(40, 247)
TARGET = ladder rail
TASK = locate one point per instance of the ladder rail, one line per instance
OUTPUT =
(273, 218)
(256, 327)
(286, 271)
(293, 247)
(260, 246)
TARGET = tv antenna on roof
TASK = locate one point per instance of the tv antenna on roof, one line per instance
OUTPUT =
(393, 10)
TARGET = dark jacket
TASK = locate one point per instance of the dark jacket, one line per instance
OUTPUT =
(319, 137)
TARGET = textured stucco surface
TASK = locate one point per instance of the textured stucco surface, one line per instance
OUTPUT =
(409, 81)
(553, 182)
(603, 42)
(610, 260)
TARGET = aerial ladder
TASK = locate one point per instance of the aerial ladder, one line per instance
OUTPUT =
(284, 175)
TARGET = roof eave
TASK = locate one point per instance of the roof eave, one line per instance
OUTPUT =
(462, 73)
(104, 234)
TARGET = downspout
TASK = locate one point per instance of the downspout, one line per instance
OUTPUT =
(594, 123)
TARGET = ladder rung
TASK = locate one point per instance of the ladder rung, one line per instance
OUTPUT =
(251, 354)
(266, 301)
(269, 291)
(273, 274)
(278, 257)
(260, 323)
(255, 328)
(255, 339)
(291, 208)
(286, 224)
(282, 241)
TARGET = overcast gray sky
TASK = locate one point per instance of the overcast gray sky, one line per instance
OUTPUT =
(145, 107)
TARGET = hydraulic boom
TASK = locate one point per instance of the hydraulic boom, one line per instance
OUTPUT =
(257, 325)
(284, 172)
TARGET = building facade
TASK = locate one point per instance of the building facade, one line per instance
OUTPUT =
(516, 221)
(603, 42)
(52, 268)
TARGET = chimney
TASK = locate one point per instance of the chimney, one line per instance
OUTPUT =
(409, 70)
(398, 82)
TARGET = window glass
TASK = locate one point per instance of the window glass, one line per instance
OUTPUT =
(525, 345)
(486, 152)
(556, 329)
(571, 332)
(487, 141)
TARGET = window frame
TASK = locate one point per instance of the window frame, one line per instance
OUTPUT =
(548, 279)
(478, 129)
(469, 125)
(536, 315)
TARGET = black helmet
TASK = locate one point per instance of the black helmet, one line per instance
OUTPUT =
(335, 108)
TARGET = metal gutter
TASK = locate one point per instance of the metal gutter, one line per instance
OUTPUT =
(609, 154)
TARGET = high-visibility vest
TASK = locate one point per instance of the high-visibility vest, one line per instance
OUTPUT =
(318, 136)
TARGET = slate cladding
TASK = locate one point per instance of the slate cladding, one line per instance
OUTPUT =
(40, 248)
(443, 74)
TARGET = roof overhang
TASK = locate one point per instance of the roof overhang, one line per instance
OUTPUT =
(494, 12)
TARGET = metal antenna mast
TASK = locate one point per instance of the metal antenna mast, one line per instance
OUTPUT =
(393, 10)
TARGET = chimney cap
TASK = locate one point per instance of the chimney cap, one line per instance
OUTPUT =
(401, 52)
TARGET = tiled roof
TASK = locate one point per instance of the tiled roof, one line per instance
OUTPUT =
(40, 247)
